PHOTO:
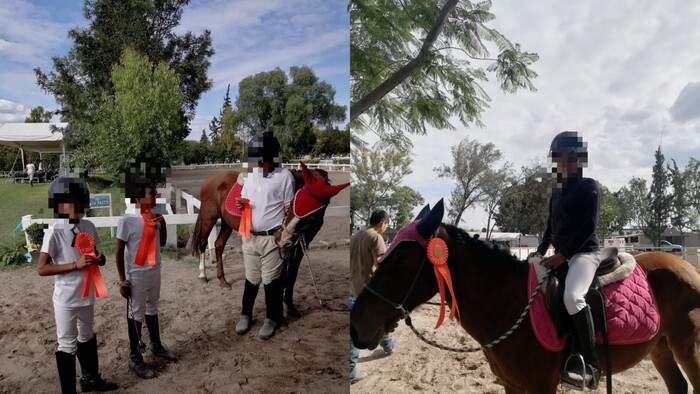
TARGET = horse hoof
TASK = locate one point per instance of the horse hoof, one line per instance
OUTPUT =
(293, 312)
(224, 285)
(203, 279)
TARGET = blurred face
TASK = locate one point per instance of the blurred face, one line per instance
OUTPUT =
(566, 165)
(71, 210)
(149, 200)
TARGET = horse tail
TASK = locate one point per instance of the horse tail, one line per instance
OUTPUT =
(197, 236)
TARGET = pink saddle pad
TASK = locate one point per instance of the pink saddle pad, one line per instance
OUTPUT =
(630, 308)
(230, 202)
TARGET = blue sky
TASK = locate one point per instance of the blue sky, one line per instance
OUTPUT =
(248, 37)
(619, 72)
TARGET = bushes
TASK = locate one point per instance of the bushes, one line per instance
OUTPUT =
(14, 254)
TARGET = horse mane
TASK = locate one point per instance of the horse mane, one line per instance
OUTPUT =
(485, 253)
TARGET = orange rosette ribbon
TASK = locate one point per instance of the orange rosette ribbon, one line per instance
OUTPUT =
(86, 245)
(437, 254)
(147, 245)
(246, 218)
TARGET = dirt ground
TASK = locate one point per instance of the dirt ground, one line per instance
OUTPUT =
(416, 366)
(197, 324)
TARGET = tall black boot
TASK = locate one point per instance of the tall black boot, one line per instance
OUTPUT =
(584, 339)
(273, 306)
(66, 372)
(136, 363)
(250, 292)
(156, 347)
(89, 366)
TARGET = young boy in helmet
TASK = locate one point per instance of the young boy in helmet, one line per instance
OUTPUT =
(573, 216)
(270, 190)
(139, 238)
(73, 312)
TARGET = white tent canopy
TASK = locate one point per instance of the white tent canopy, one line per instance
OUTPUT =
(33, 137)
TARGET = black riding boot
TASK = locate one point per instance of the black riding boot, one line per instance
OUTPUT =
(156, 347)
(89, 367)
(66, 372)
(273, 300)
(584, 339)
(250, 293)
(136, 363)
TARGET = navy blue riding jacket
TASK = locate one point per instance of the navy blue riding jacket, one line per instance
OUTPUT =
(573, 216)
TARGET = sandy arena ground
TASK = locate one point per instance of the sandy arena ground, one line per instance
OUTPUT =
(416, 366)
(197, 324)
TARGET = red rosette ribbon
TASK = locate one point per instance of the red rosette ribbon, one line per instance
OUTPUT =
(437, 254)
(246, 219)
(86, 245)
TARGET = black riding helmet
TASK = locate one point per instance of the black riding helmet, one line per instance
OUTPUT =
(264, 147)
(66, 190)
(568, 143)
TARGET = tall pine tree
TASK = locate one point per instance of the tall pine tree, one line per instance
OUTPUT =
(659, 200)
(215, 124)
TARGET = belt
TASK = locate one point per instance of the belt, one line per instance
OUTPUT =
(268, 232)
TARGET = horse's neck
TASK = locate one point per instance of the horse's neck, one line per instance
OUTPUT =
(490, 296)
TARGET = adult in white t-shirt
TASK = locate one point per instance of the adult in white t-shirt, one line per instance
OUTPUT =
(270, 190)
(73, 313)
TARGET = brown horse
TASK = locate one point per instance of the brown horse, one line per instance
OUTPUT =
(213, 194)
(490, 289)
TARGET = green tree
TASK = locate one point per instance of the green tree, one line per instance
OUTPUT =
(80, 79)
(471, 169)
(39, 115)
(659, 201)
(376, 176)
(420, 62)
(291, 108)
(400, 205)
(611, 215)
(497, 184)
(525, 207)
(215, 124)
(634, 201)
(692, 178)
(141, 117)
(332, 142)
(681, 208)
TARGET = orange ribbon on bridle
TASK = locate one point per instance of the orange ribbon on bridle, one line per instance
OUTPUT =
(86, 245)
(437, 254)
(147, 245)
(246, 219)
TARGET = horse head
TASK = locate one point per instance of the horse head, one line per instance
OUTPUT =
(403, 278)
(313, 194)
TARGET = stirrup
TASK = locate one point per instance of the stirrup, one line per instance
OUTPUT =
(569, 378)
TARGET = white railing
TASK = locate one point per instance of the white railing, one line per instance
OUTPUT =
(323, 166)
(172, 219)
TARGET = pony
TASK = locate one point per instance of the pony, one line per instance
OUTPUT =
(298, 231)
(490, 291)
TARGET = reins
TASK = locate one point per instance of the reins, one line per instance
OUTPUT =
(407, 317)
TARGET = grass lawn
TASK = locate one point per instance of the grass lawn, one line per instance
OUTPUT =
(17, 200)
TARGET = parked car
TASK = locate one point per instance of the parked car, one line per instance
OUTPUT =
(664, 246)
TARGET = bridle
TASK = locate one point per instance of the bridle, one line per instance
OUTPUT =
(407, 317)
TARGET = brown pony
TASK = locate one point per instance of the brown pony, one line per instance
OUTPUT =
(213, 194)
(490, 289)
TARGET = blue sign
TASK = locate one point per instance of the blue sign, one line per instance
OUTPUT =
(100, 200)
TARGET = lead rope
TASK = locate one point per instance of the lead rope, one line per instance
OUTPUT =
(305, 250)
(409, 323)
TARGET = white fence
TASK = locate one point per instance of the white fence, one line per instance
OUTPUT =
(171, 218)
(322, 166)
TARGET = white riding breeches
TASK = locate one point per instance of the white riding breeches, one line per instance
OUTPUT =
(145, 292)
(73, 324)
(582, 267)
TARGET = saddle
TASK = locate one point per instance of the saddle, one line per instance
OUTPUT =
(554, 293)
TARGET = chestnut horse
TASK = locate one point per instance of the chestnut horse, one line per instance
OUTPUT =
(213, 196)
(490, 289)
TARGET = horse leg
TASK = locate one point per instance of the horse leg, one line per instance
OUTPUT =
(202, 269)
(204, 231)
(225, 233)
(663, 360)
(685, 345)
(295, 256)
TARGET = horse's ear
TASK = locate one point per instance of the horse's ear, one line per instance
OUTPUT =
(423, 212)
(427, 226)
(305, 173)
(332, 190)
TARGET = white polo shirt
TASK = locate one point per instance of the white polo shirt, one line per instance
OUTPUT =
(129, 230)
(268, 197)
(68, 286)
